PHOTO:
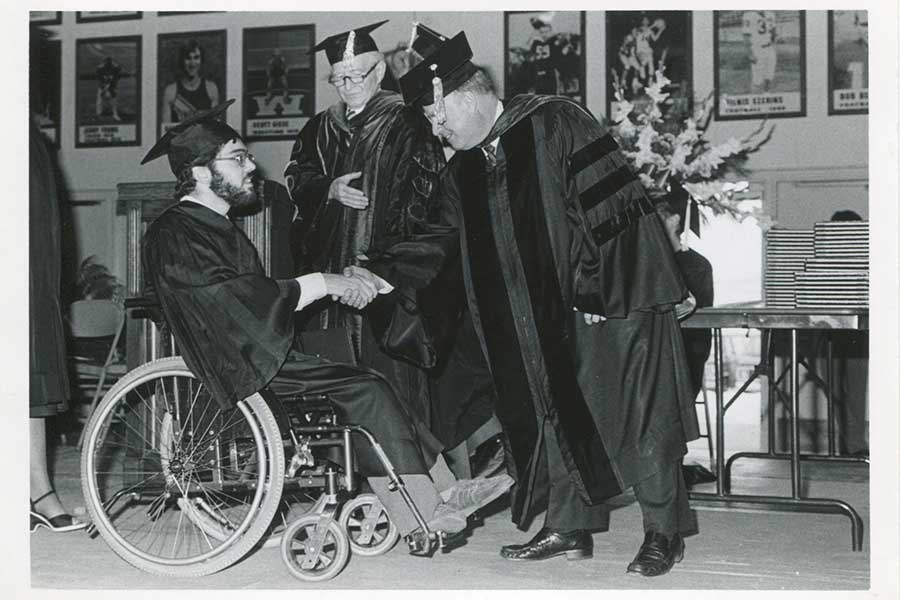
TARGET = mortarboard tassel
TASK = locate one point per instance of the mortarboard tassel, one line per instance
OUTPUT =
(348, 50)
(439, 114)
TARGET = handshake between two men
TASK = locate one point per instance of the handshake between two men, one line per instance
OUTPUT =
(355, 287)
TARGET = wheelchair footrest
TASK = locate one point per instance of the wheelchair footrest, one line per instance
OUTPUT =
(424, 545)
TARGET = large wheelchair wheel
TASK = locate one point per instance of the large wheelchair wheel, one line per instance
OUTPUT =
(173, 483)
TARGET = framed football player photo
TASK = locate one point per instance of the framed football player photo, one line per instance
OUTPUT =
(544, 53)
(848, 62)
(279, 81)
(760, 63)
(108, 92)
(106, 15)
(641, 43)
(191, 72)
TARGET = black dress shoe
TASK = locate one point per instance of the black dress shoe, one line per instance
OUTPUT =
(657, 554)
(576, 545)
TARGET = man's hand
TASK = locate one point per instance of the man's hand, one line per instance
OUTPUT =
(365, 275)
(349, 196)
(352, 291)
(686, 307)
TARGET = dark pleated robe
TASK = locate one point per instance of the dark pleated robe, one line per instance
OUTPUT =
(558, 222)
(698, 275)
(48, 383)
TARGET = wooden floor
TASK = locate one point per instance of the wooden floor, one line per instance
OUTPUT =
(735, 549)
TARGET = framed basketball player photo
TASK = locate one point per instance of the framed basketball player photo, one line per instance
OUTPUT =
(848, 62)
(759, 61)
(191, 71)
(45, 78)
(641, 43)
(544, 53)
(91, 16)
(279, 81)
(108, 92)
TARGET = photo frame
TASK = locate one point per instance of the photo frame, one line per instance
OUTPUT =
(45, 17)
(279, 81)
(191, 74)
(45, 89)
(108, 91)
(544, 53)
(759, 64)
(638, 43)
(848, 62)
(106, 15)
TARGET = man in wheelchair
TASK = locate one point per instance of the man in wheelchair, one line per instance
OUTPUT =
(235, 326)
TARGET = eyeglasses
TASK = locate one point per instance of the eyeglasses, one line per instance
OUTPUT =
(341, 81)
(241, 159)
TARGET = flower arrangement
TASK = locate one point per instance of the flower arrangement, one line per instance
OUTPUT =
(663, 146)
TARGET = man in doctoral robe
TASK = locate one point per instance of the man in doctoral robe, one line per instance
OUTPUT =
(571, 284)
(235, 326)
(363, 176)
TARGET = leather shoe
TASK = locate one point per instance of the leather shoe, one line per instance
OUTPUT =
(657, 554)
(576, 545)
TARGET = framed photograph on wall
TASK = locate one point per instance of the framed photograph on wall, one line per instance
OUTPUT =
(848, 62)
(108, 91)
(106, 15)
(45, 17)
(279, 81)
(640, 43)
(45, 88)
(760, 63)
(544, 53)
(191, 69)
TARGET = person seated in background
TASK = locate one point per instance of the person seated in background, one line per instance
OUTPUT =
(698, 276)
(235, 325)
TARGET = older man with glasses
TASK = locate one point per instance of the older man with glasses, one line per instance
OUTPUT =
(363, 174)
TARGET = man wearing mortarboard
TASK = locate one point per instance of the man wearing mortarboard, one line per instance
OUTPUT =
(363, 174)
(571, 283)
(235, 326)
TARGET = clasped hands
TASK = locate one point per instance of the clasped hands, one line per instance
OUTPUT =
(355, 287)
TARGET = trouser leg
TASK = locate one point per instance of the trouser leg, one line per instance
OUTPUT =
(664, 502)
(566, 510)
(422, 491)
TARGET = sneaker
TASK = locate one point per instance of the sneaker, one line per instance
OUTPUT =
(468, 495)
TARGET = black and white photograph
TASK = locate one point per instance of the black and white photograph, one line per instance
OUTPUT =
(544, 53)
(108, 91)
(848, 62)
(191, 74)
(463, 302)
(279, 81)
(106, 15)
(640, 44)
(45, 81)
(760, 63)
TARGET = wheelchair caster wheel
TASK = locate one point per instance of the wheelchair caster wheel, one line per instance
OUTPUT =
(369, 529)
(312, 551)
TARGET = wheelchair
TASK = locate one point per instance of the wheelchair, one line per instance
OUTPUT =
(177, 486)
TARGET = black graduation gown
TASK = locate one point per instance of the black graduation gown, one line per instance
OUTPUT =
(48, 382)
(560, 223)
(235, 330)
(698, 276)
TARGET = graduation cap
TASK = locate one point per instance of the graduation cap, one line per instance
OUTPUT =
(446, 68)
(344, 46)
(679, 202)
(197, 135)
(425, 40)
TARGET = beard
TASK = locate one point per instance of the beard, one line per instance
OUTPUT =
(236, 197)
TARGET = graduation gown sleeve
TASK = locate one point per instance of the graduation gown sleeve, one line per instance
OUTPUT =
(233, 325)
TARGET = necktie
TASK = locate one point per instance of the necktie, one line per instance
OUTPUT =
(490, 155)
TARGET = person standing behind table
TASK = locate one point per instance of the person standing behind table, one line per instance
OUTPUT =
(558, 235)
(235, 327)
(364, 174)
(190, 92)
(698, 276)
